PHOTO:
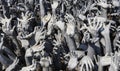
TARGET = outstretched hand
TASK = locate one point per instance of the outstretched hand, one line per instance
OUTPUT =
(87, 62)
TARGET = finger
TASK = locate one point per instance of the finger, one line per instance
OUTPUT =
(30, 18)
(103, 25)
(18, 19)
(42, 33)
(98, 0)
(94, 21)
(5, 16)
(10, 17)
(118, 41)
(26, 14)
(113, 59)
(89, 22)
(89, 63)
(13, 28)
(17, 61)
(95, 58)
(86, 66)
(113, 28)
(109, 25)
(81, 68)
(93, 6)
(43, 43)
(100, 26)
(83, 28)
(22, 14)
(98, 21)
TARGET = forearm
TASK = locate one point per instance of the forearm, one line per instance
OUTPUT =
(107, 44)
(70, 43)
